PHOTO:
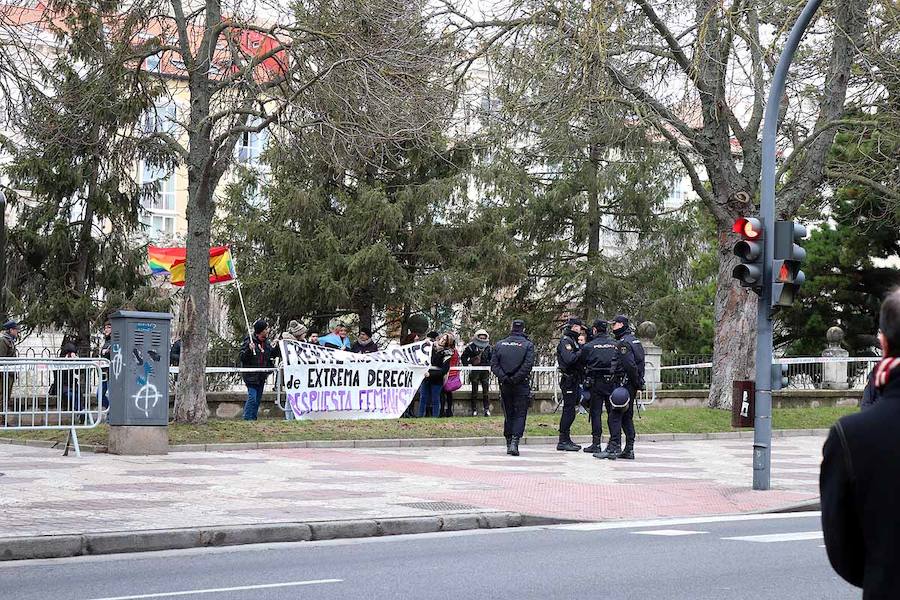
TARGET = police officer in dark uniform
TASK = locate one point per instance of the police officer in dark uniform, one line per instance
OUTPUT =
(632, 359)
(602, 374)
(568, 359)
(511, 363)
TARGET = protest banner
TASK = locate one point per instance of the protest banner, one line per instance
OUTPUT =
(322, 383)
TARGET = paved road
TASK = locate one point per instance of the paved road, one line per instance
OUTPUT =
(753, 557)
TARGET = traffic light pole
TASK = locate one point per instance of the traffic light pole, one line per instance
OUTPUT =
(762, 433)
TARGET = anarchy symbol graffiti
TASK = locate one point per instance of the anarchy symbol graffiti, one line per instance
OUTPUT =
(146, 398)
(116, 360)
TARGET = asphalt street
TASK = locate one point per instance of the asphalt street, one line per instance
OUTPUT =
(755, 557)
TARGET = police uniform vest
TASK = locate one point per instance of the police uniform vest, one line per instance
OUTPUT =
(602, 362)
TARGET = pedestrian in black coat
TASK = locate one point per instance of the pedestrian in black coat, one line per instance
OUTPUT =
(860, 478)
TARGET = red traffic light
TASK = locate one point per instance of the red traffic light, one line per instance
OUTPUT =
(784, 274)
(748, 227)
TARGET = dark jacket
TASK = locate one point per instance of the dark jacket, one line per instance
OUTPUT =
(440, 364)
(568, 354)
(859, 484)
(364, 348)
(477, 357)
(7, 345)
(513, 359)
(264, 358)
(175, 354)
(608, 362)
(871, 395)
(638, 356)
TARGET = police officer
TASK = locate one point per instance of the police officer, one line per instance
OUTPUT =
(602, 374)
(568, 358)
(511, 363)
(632, 359)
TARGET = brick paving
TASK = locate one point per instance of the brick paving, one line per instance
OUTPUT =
(42, 492)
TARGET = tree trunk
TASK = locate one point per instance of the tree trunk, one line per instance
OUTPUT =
(734, 344)
(83, 326)
(190, 394)
(591, 290)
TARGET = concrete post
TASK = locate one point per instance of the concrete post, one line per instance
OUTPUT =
(646, 331)
(834, 376)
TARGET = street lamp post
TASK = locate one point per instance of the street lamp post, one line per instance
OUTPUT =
(762, 433)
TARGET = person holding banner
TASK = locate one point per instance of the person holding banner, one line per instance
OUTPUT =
(511, 363)
(430, 394)
(257, 353)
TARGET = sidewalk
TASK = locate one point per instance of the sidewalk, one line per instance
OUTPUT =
(43, 493)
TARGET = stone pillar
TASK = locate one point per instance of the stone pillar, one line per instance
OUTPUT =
(646, 331)
(834, 374)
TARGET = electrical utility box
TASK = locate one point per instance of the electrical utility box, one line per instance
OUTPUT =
(139, 368)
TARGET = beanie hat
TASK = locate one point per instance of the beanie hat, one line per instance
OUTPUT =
(260, 326)
(518, 326)
(365, 330)
(296, 329)
(482, 332)
(571, 321)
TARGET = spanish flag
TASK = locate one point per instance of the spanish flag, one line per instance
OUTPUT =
(221, 265)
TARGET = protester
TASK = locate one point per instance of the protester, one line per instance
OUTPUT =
(452, 383)
(313, 338)
(105, 352)
(8, 338)
(337, 339)
(511, 363)
(68, 386)
(364, 343)
(430, 393)
(175, 353)
(478, 354)
(860, 477)
(257, 353)
(295, 331)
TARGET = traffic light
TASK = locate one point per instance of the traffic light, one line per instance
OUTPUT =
(750, 251)
(779, 376)
(786, 274)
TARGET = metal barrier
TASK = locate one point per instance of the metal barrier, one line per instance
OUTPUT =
(60, 393)
(803, 372)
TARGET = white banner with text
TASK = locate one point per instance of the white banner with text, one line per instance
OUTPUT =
(322, 383)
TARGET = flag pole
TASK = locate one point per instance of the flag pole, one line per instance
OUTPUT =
(243, 306)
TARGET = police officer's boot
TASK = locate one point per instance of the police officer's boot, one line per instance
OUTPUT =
(612, 452)
(508, 441)
(595, 445)
(513, 449)
(628, 452)
(566, 444)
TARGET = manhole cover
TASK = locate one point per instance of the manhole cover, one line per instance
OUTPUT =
(437, 506)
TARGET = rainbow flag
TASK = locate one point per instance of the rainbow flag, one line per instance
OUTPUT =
(162, 259)
(221, 267)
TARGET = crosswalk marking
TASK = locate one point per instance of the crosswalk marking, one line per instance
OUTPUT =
(779, 537)
(668, 532)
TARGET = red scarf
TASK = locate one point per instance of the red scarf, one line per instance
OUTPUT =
(885, 370)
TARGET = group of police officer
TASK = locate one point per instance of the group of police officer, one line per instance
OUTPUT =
(607, 371)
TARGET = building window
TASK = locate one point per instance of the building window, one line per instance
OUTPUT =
(161, 118)
(161, 196)
(159, 225)
(250, 147)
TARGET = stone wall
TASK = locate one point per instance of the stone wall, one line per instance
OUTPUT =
(230, 405)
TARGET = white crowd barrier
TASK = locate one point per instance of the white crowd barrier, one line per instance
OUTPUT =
(60, 393)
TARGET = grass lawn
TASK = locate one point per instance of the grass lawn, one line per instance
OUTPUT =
(663, 420)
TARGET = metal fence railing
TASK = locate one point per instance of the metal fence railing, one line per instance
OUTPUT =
(803, 373)
(59, 393)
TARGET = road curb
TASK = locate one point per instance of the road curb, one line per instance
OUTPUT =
(543, 440)
(805, 506)
(117, 542)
